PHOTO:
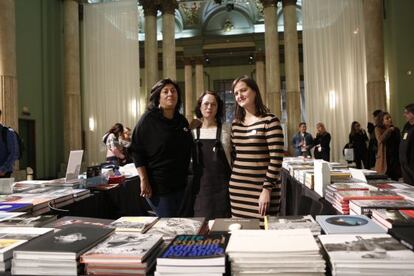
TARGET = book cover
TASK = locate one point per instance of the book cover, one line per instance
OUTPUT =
(69, 221)
(132, 246)
(291, 222)
(135, 224)
(7, 215)
(68, 243)
(364, 207)
(228, 224)
(378, 248)
(15, 207)
(405, 235)
(391, 218)
(346, 224)
(28, 221)
(206, 250)
(170, 227)
(348, 187)
(373, 195)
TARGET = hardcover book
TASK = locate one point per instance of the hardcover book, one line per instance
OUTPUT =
(15, 207)
(373, 195)
(170, 227)
(228, 224)
(364, 207)
(195, 250)
(292, 222)
(69, 221)
(405, 235)
(68, 243)
(134, 247)
(28, 221)
(346, 224)
(133, 224)
(391, 218)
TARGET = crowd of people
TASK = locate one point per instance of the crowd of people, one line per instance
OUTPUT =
(235, 169)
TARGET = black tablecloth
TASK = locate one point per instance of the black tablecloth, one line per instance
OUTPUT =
(297, 199)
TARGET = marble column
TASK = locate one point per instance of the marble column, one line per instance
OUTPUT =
(374, 48)
(260, 72)
(199, 76)
(272, 56)
(71, 79)
(168, 39)
(150, 44)
(291, 68)
(188, 83)
(8, 77)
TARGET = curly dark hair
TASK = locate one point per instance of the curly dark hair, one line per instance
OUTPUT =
(117, 129)
(261, 109)
(220, 106)
(154, 100)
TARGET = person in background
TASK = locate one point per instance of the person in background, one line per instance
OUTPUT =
(9, 151)
(406, 149)
(372, 144)
(358, 140)
(161, 150)
(321, 142)
(302, 141)
(211, 159)
(258, 140)
(388, 137)
(125, 141)
(114, 149)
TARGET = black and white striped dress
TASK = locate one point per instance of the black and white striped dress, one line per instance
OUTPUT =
(259, 156)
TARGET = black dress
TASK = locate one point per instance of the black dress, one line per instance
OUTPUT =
(392, 146)
(358, 141)
(324, 150)
(211, 178)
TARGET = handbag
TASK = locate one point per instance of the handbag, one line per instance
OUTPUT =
(349, 153)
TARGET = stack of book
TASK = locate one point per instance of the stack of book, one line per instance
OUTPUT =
(168, 228)
(123, 254)
(57, 253)
(341, 198)
(133, 224)
(367, 254)
(11, 237)
(194, 255)
(346, 224)
(393, 218)
(365, 207)
(332, 189)
(281, 252)
(292, 222)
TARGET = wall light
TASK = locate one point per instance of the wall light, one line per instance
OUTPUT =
(332, 99)
(91, 124)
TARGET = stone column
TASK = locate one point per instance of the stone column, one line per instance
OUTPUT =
(72, 99)
(260, 73)
(168, 39)
(272, 56)
(188, 82)
(199, 76)
(150, 44)
(374, 48)
(291, 68)
(8, 79)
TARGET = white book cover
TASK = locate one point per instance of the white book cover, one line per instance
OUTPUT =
(170, 227)
(348, 224)
(272, 241)
(136, 224)
(7, 215)
(365, 248)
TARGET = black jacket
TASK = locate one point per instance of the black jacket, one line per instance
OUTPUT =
(163, 146)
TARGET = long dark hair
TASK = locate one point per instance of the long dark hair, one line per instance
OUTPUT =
(117, 129)
(261, 109)
(220, 108)
(154, 100)
(353, 130)
(381, 119)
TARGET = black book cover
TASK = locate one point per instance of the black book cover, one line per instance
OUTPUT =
(75, 239)
(405, 235)
(70, 221)
(228, 224)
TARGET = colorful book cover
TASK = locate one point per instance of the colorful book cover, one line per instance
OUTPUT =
(15, 207)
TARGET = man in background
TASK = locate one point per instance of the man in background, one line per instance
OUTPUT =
(302, 141)
(407, 146)
(9, 151)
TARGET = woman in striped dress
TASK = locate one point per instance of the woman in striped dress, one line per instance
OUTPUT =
(258, 140)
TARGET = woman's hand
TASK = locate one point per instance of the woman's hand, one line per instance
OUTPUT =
(146, 190)
(264, 201)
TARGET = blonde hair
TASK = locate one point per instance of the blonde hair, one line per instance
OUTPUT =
(322, 126)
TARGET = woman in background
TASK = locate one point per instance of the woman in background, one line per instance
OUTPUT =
(161, 150)
(258, 140)
(358, 139)
(114, 149)
(388, 137)
(211, 159)
(321, 142)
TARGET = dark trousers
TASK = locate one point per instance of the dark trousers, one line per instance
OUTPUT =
(166, 205)
(6, 175)
(407, 173)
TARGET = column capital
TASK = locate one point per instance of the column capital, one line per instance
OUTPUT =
(269, 3)
(199, 60)
(169, 6)
(150, 7)
(188, 61)
(289, 3)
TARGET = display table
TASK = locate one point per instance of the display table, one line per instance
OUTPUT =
(297, 199)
